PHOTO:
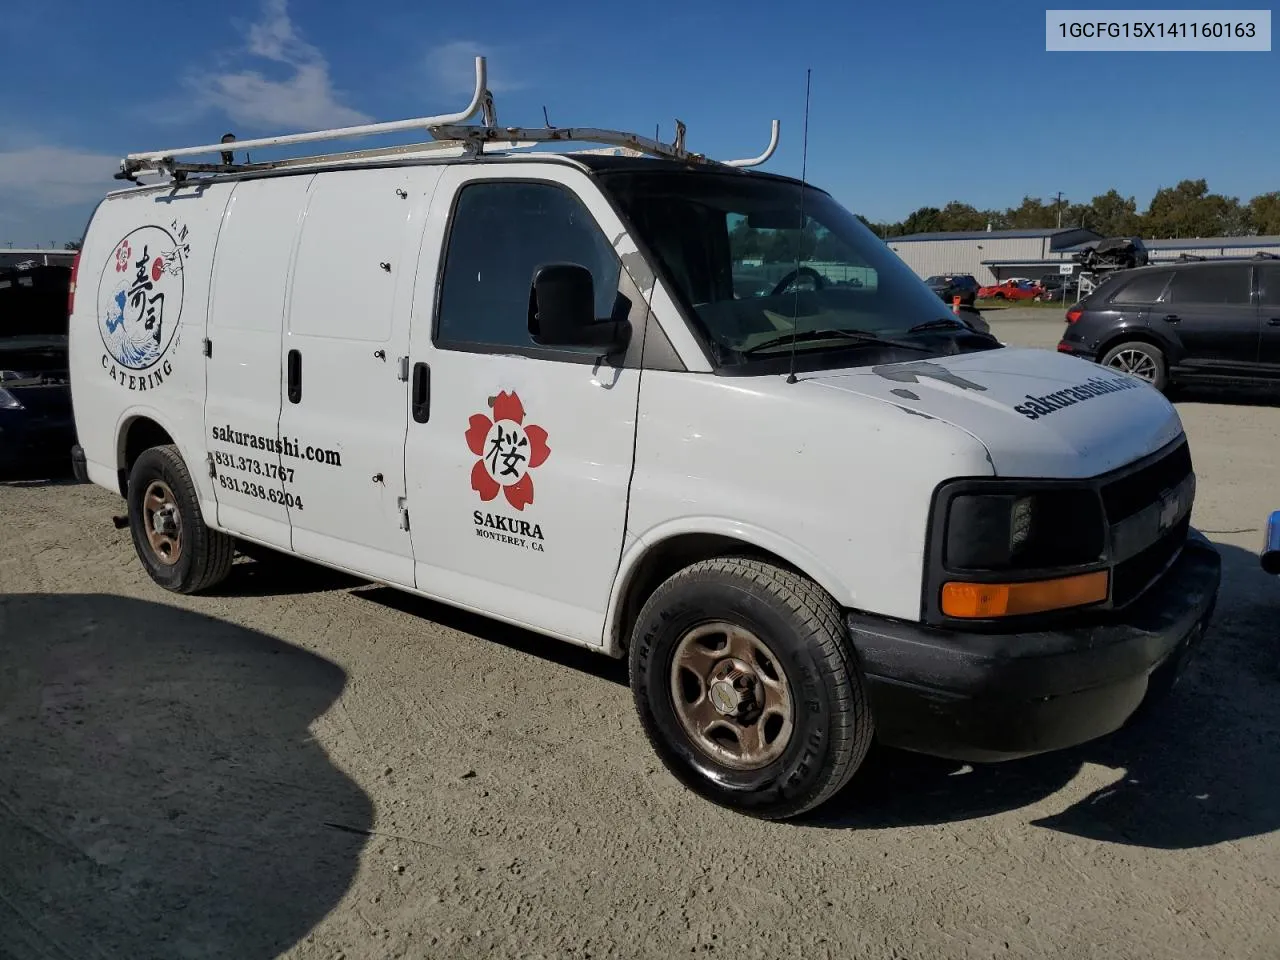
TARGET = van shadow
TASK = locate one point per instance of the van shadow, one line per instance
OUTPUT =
(1196, 768)
(160, 792)
(513, 638)
(263, 572)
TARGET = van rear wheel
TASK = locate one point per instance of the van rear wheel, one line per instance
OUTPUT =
(176, 548)
(747, 687)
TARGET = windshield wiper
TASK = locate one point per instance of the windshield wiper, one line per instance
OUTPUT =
(861, 336)
(942, 323)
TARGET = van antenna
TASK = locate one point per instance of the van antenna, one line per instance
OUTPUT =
(804, 164)
(546, 119)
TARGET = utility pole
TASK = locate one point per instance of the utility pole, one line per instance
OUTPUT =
(1058, 203)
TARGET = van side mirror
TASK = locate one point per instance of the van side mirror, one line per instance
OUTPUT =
(562, 305)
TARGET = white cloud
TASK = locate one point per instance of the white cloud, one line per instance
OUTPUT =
(304, 98)
(44, 176)
(452, 68)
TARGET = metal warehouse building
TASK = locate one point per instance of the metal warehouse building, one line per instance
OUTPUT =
(990, 255)
(995, 255)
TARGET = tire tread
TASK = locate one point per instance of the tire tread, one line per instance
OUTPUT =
(824, 628)
(212, 551)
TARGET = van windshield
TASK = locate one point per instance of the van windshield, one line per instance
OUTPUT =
(749, 274)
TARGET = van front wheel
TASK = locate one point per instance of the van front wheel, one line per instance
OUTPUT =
(176, 548)
(747, 687)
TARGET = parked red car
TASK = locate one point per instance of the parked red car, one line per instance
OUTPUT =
(1011, 290)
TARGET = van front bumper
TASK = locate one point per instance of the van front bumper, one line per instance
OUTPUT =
(988, 697)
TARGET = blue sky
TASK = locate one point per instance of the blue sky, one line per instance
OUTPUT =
(913, 103)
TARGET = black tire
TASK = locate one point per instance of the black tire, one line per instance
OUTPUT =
(1155, 369)
(203, 557)
(802, 628)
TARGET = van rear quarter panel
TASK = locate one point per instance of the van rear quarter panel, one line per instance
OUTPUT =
(137, 330)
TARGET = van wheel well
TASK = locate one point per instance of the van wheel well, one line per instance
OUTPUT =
(140, 435)
(670, 557)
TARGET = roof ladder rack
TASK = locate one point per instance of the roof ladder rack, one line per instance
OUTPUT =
(447, 132)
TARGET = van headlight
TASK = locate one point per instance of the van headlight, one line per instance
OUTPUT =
(1023, 530)
(1010, 548)
(8, 401)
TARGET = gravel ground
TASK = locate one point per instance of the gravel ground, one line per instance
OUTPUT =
(305, 766)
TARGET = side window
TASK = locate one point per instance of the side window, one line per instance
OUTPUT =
(1269, 282)
(1211, 285)
(502, 232)
(1144, 288)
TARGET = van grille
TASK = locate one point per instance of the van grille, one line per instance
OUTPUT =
(1130, 578)
(1132, 493)
(1127, 495)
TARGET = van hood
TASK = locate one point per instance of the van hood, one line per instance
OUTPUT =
(1038, 413)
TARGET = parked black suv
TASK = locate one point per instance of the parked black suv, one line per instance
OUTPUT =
(951, 285)
(1180, 322)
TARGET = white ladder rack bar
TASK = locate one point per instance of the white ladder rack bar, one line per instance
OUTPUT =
(614, 138)
(139, 161)
(477, 135)
(768, 152)
(179, 170)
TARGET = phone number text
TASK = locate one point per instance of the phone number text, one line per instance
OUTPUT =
(259, 492)
(272, 471)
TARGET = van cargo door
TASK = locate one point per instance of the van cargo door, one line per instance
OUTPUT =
(344, 407)
(252, 478)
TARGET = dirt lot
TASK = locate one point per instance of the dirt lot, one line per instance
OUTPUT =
(310, 767)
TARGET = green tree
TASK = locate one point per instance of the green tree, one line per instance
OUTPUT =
(924, 220)
(1114, 216)
(1190, 210)
(1264, 213)
(1031, 214)
(71, 245)
(961, 216)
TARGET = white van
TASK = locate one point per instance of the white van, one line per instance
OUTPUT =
(627, 402)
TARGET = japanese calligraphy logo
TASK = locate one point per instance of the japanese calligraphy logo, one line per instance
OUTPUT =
(140, 297)
(507, 449)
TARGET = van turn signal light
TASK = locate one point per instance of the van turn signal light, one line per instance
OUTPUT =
(987, 601)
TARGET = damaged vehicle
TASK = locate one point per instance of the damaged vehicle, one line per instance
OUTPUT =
(37, 429)
(820, 515)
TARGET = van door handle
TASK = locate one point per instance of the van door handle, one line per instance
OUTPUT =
(421, 393)
(1274, 322)
(295, 376)
(1171, 318)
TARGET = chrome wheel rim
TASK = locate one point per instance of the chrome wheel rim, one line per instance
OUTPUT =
(732, 696)
(1135, 362)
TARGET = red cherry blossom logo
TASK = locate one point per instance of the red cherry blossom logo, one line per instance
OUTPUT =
(507, 449)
